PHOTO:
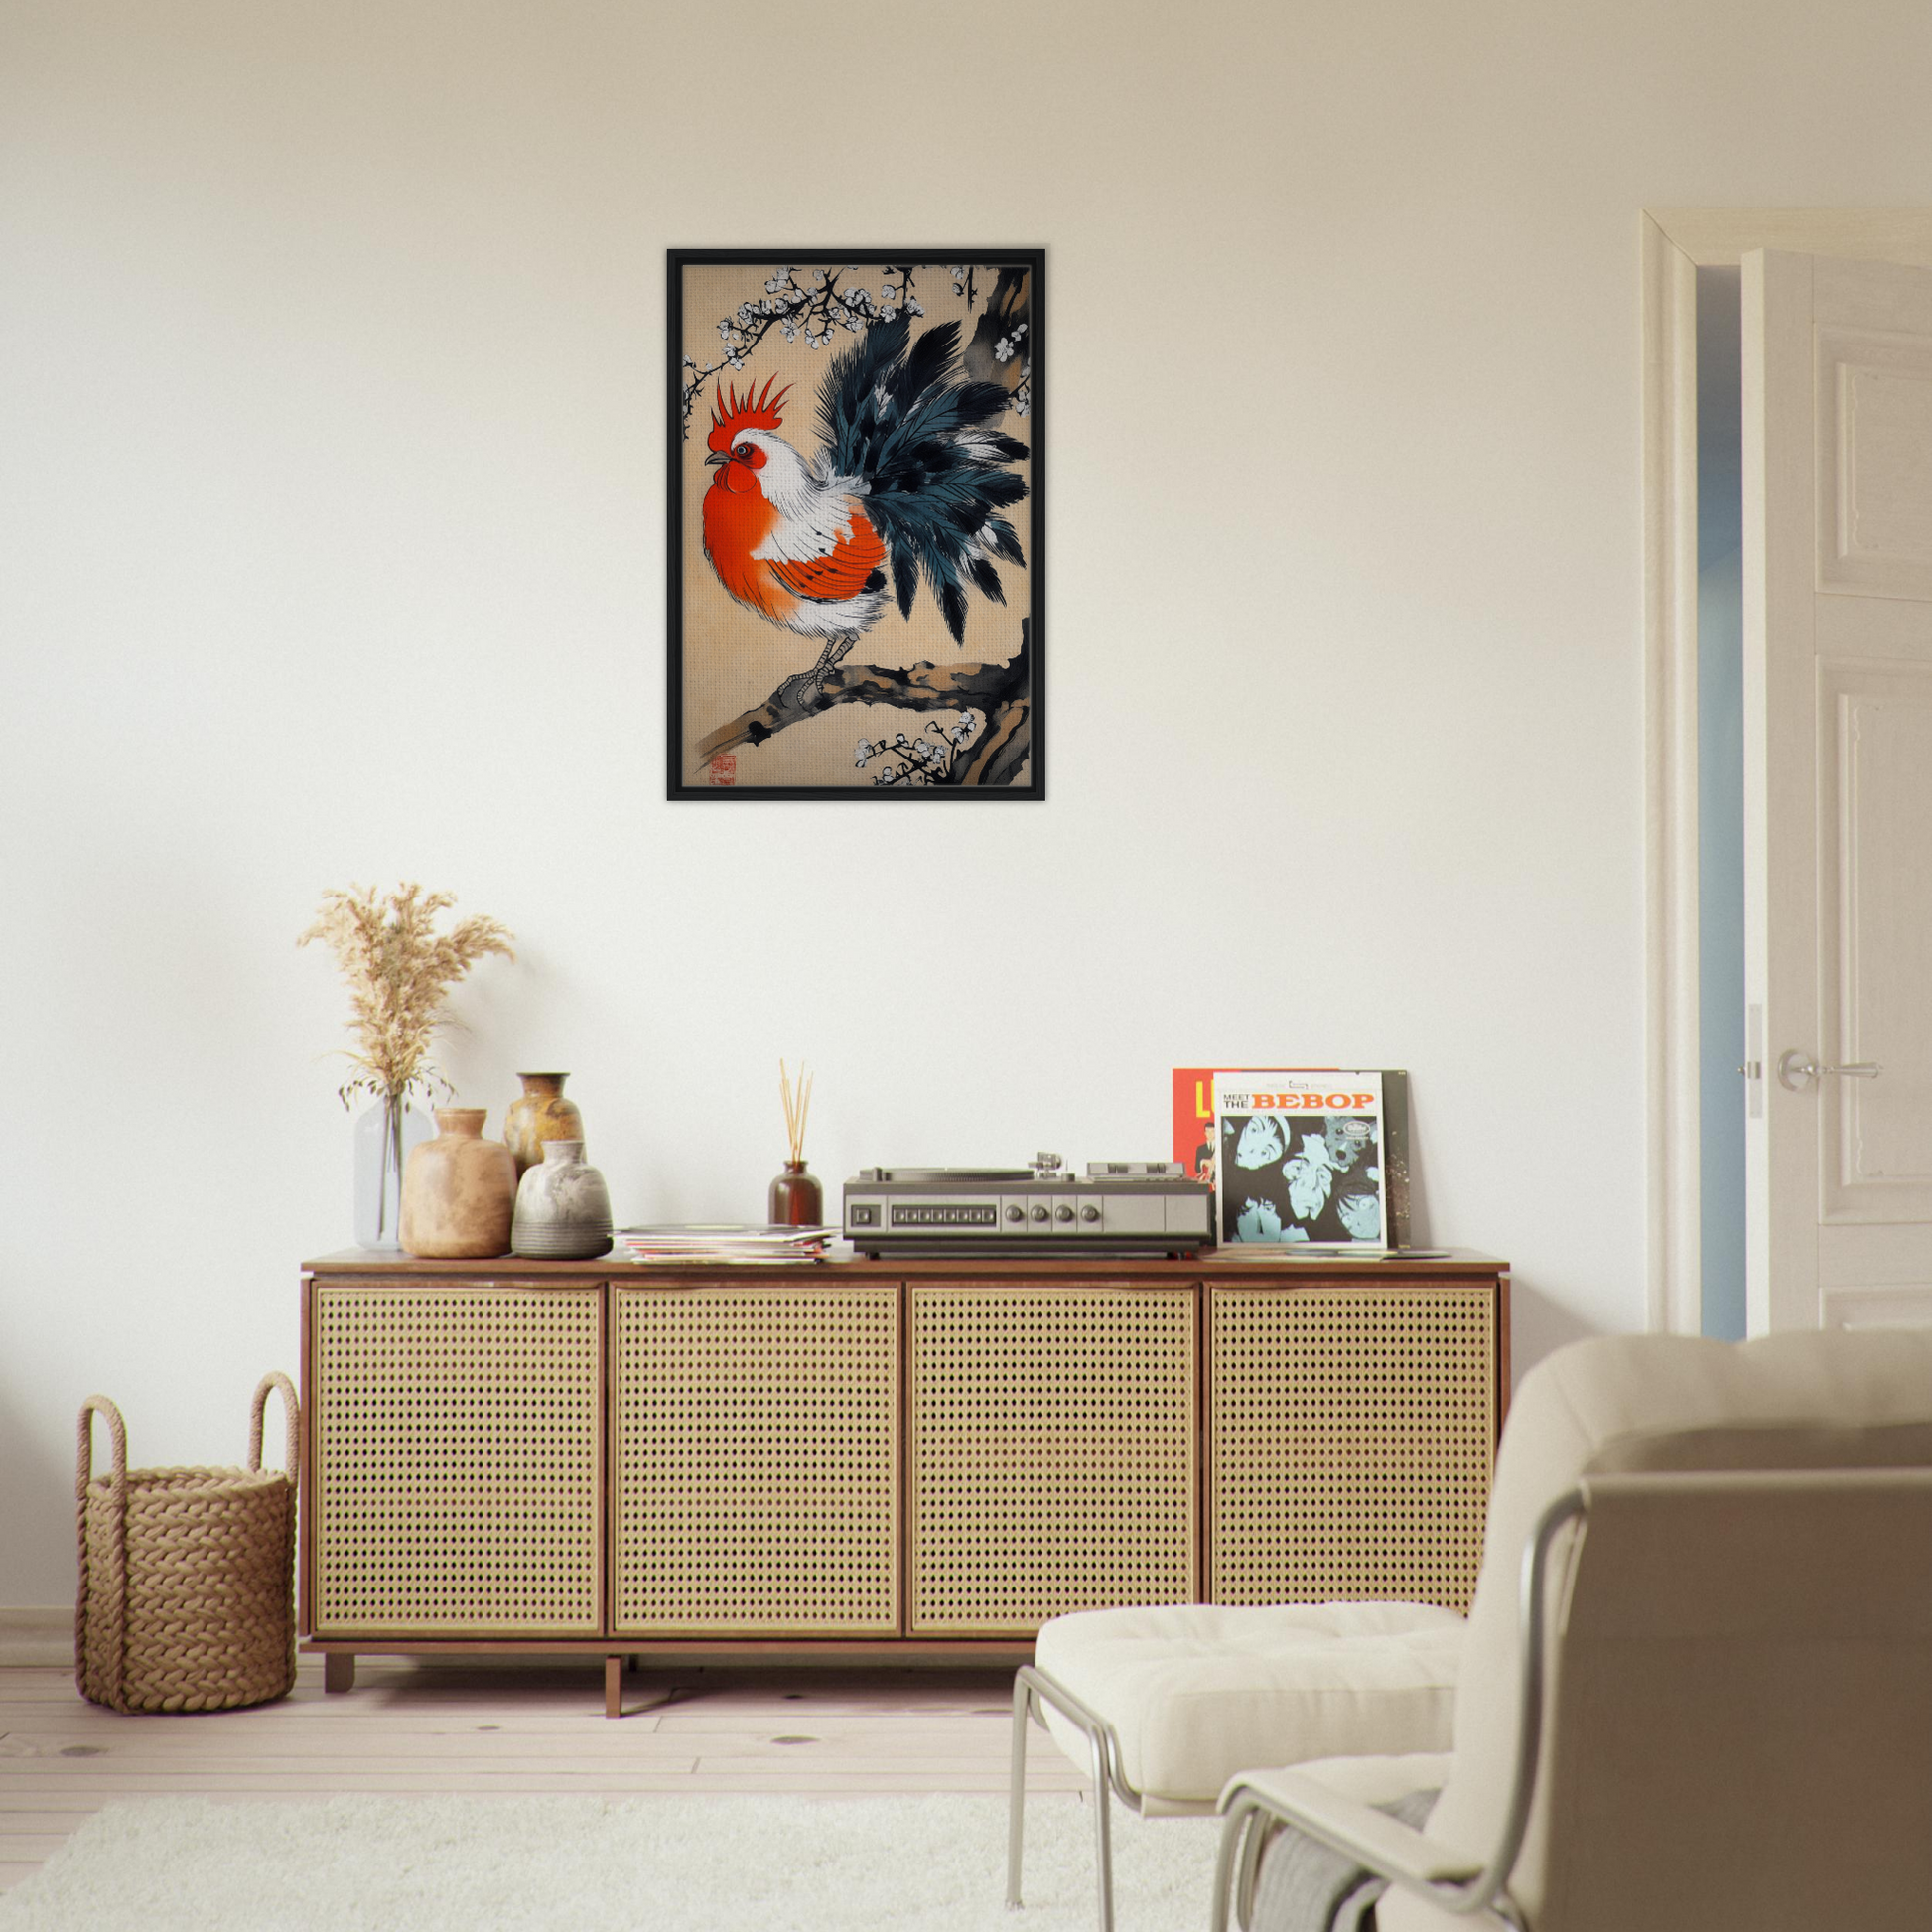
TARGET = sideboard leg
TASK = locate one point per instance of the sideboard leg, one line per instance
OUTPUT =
(614, 1687)
(338, 1670)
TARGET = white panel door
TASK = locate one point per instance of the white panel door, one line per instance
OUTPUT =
(1838, 778)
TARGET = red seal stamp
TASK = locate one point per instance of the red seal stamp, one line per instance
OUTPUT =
(723, 769)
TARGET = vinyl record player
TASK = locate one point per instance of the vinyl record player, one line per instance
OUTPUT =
(1136, 1207)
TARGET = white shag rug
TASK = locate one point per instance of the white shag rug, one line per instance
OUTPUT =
(752, 1864)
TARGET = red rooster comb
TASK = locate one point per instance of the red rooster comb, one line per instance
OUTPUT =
(732, 412)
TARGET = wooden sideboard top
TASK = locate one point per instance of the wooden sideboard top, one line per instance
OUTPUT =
(1216, 1264)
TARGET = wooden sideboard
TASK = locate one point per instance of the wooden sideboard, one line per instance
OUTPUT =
(878, 1460)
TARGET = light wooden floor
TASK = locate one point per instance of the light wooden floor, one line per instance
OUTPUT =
(509, 1728)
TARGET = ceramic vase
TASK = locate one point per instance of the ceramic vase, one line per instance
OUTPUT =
(458, 1191)
(539, 1114)
(385, 1136)
(563, 1208)
(795, 1200)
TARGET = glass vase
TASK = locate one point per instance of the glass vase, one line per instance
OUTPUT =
(384, 1134)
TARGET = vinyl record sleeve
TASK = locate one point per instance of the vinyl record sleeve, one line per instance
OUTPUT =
(1198, 1147)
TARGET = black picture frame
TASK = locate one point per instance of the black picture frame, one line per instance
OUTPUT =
(954, 617)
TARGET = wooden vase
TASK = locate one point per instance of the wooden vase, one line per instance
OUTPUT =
(541, 1113)
(458, 1191)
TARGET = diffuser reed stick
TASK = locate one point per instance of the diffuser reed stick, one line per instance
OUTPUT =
(798, 1104)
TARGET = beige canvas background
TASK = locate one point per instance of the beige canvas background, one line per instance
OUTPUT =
(734, 658)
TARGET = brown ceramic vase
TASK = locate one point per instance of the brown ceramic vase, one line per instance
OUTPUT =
(458, 1191)
(539, 1114)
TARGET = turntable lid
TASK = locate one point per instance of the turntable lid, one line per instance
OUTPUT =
(939, 1176)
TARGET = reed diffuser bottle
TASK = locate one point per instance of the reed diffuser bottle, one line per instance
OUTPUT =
(795, 1200)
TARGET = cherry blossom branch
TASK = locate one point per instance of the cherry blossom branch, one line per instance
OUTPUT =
(999, 693)
(791, 307)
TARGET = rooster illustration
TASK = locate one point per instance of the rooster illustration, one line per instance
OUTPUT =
(910, 476)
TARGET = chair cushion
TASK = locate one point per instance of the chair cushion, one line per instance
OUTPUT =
(1198, 1692)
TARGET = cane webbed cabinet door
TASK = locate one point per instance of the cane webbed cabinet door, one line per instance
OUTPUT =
(755, 1456)
(1351, 1437)
(457, 1456)
(1053, 1439)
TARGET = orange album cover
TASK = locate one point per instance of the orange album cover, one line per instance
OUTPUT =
(1193, 1112)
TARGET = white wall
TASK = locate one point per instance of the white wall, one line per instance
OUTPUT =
(330, 344)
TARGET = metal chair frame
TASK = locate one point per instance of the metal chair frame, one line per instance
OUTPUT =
(1253, 1815)
(1031, 1688)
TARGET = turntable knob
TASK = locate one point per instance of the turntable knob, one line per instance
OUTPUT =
(1089, 1213)
(1015, 1213)
(1063, 1214)
(1040, 1214)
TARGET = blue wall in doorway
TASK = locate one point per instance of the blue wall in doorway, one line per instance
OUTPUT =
(1721, 800)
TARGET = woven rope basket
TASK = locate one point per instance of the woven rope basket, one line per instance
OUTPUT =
(187, 1576)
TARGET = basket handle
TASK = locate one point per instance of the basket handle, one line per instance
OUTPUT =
(112, 1641)
(291, 1410)
(117, 1433)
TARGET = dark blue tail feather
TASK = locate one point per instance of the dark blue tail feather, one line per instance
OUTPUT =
(900, 414)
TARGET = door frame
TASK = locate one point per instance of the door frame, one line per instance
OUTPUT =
(1675, 242)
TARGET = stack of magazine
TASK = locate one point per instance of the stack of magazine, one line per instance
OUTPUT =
(728, 1241)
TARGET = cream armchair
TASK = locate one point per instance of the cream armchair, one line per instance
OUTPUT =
(1696, 1692)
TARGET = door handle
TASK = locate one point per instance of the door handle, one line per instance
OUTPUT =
(1797, 1069)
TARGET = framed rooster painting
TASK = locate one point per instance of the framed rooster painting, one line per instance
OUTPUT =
(856, 524)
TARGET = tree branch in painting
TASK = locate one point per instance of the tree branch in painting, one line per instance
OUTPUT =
(994, 700)
(795, 309)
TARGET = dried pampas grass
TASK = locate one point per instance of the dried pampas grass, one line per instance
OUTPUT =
(399, 969)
